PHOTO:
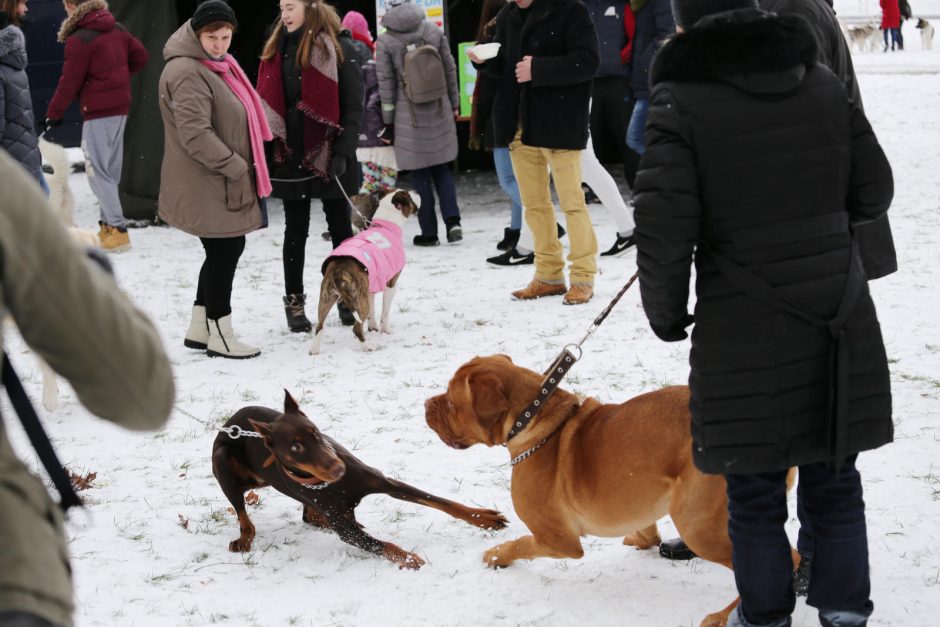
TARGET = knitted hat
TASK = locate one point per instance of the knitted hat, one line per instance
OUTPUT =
(213, 11)
(688, 12)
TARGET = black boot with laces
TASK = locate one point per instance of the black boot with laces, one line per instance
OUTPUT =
(297, 320)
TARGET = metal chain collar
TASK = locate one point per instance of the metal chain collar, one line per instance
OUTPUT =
(236, 432)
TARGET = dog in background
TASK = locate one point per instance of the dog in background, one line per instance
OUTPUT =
(587, 468)
(864, 37)
(926, 34)
(368, 263)
(296, 459)
(61, 198)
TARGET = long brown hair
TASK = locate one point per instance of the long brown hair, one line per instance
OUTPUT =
(490, 9)
(11, 7)
(318, 17)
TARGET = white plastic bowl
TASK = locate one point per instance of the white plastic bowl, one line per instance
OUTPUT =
(485, 52)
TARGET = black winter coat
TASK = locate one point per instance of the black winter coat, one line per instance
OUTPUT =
(757, 166)
(304, 184)
(17, 125)
(552, 108)
(875, 241)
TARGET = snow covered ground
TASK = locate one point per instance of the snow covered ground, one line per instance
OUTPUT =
(137, 564)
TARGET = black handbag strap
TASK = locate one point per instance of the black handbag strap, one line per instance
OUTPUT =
(38, 438)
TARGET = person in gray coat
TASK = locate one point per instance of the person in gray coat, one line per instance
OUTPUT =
(425, 134)
(17, 127)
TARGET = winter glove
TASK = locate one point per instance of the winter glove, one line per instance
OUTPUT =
(337, 166)
(387, 134)
(673, 332)
(47, 124)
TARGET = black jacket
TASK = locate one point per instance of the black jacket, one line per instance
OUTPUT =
(654, 24)
(757, 165)
(875, 241)
(345, 143)
(552, 109)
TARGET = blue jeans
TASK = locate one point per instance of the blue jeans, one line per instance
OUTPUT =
(425, 181)
(635, 140)
(763, 568)
(507, 180)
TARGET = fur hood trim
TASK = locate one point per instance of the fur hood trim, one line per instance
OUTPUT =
(70, 25)
(13, 43)
(752, 49)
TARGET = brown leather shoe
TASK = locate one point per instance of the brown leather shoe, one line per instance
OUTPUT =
(579, 294)
(537, 289)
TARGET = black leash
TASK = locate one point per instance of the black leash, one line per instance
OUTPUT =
(38, 438)
(561, 366)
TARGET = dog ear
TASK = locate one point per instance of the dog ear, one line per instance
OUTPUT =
(487, 398)
(290, 405)
(405, 202)
(502, 356)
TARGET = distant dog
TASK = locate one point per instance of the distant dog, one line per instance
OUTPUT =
(296, 459)
(60, 193)
(864, 37)
(366, 264)
(926, 34)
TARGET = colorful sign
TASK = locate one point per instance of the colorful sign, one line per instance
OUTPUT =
(434, 9)
(467, 75)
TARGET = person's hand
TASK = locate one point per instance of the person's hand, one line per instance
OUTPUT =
(456, 113)
(674, 332)
(45, 125)
(387, 134)
(524, 69)
(337, 166)
(473, 57)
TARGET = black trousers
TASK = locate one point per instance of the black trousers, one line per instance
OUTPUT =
(296, 230)
(763, 567)
(218, 273)
(21, 619)
(610, 115)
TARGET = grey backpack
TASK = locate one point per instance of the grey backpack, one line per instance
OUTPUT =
(423, 77)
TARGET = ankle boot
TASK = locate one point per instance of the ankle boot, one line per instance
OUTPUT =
(297, 320)
(197, 336)
(345, 314)
(510, 239)
(224, 343)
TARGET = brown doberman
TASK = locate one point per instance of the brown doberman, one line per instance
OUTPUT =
(292, 456)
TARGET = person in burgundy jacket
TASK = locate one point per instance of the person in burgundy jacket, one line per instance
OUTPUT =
(100, 57)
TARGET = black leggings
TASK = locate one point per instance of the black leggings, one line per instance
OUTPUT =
(296, 228)
(218, 273)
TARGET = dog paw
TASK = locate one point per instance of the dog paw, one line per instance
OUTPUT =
(404, 559)
(50, 401)
(640, 541)
(373, 325)
(367, 348)
(240, 545)
(488, 519)
(492, 558)
(718, 619)
(386, 328)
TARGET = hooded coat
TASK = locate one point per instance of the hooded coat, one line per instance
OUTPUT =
(100, 57)
(17, 124)
(207, 182)
(42, 275)
(430, 138)
(757, 166)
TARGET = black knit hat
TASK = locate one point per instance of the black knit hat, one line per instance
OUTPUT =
(688, 12)
(213, 11)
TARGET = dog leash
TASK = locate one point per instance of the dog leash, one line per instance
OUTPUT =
(38, 438)
(349, 201)
(554, 375)
(236, 432)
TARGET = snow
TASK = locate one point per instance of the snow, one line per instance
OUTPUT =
(136, 564)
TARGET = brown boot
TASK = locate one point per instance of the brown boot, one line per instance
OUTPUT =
(579, 294)
(115, 240)
(537, 289)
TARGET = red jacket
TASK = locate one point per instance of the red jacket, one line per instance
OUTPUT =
(890, 14)
(100, 57)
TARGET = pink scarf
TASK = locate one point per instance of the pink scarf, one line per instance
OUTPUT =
(258, 129)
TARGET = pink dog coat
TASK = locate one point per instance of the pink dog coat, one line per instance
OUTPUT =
(379, 248)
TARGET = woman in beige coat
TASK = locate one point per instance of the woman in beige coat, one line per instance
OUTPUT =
(213, 167)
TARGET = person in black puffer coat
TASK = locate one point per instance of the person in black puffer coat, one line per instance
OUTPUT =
(757, 167)
(17, 124)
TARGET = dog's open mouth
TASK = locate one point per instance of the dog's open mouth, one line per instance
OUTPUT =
(301, 477)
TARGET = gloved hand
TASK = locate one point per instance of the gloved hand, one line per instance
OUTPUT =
(337, 166)
(47, 124)
(387, 134)
(673, 332)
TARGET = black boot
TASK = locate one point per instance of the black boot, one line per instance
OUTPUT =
(454, 230)
(345, 314)
(297, 320)
(676, 549)
(510, 239)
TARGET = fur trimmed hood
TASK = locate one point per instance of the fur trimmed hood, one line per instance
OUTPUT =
(12, 47)
(755, 51)
(72, 22)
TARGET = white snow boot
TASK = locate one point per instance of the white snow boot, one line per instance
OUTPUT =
(223, 343)
(197, 336)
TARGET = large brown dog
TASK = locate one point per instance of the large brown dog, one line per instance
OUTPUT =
(605, 470)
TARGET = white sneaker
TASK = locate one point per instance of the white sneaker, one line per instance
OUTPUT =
(224, 343)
